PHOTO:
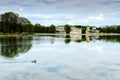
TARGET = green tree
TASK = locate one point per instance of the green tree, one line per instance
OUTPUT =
(24, 24)
(67, 28)
(37, 28)
(8, 21)
(118, 29)
(52, 28)
(11, 22)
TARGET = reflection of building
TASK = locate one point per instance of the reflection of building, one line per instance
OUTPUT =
(76, 37)
(94, 37)
(87, 38)
(75, 31)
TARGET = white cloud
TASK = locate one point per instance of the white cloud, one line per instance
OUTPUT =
(21, 9)
(86, 20)
(64, 18)
(40, 16)
(66, 11)
(100, 17)
(77, 21)
(51, 0)
(51, 16)
(70, 16)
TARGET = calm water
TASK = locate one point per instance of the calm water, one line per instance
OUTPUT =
(60, 58)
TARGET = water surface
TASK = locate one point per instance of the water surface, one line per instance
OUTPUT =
(60, 57)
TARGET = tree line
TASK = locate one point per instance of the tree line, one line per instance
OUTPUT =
(10, 22)
(109, 29)
(68, 28)
(103, 29)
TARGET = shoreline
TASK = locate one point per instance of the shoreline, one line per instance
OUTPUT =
(50, 34)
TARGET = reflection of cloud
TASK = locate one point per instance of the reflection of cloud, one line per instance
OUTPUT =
(53, 69)
(55, 62)
(94, 48)
(114, 68)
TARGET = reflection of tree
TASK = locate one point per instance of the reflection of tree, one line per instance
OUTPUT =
(114, 38)
(67, 39)
(67, 36)
(83, 38)
(78, 40)
(12, 46)
(52, 40)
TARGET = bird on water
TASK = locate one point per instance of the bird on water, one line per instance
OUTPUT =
(34, 61)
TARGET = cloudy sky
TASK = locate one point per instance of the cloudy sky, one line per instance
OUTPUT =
(59, 12)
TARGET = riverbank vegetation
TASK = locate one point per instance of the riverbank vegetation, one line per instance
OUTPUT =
(11, 22)
(109, 29)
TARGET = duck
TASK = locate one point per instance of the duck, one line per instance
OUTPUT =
(34, 61)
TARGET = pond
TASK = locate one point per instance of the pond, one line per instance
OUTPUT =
(60, 57)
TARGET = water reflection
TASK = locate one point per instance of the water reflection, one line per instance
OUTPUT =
(94, 38)
(107, 38)
(82, 59)
(67, 39)
(110, 38)
(76, 38)
(12, 46)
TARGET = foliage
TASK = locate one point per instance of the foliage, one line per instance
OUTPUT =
(11, 23)
(67, 28)
(43, 29)
(110, 29)
(82, 27)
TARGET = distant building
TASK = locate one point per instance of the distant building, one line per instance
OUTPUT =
(75, 30)
(88, 30)
(60, 30)
(92, 31)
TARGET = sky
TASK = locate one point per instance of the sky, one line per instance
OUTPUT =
(60, 12)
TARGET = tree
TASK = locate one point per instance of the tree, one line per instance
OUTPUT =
(52, 28)
(24, 24)
(11, 22)
(67, 28)
(37, 28)
(8, 21)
